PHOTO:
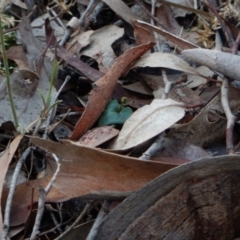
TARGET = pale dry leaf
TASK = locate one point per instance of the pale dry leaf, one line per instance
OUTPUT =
(139, 87)
(147, 122)
(38, 28)
(165, 60)
(100, 48)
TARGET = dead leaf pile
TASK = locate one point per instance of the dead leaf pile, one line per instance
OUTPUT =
(160, 68)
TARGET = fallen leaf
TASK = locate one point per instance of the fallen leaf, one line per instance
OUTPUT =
(101, 94)
(85, 172)
(98, 136)
(147, 122)
(17, 54)
(5, 160)
(165, 60)
(100, 48)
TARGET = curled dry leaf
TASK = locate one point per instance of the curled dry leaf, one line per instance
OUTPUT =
(100, 95)
(165, 60)
(225, 63)
(147, 122)
(85, 172)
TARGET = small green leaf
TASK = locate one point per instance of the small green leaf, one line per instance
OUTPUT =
(114, 114)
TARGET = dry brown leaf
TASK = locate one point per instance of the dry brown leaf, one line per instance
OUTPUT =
(98, 136)
(17, 54)
(5, 160)
(101, 94)
(164, 60)
(85, 172)
(147, 122)
(225, 63)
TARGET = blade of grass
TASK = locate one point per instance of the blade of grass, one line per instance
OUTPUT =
(5, 63)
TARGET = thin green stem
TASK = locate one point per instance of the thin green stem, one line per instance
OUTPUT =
(5, 63)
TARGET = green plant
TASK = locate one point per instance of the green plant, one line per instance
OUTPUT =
(48, 102)
(115, 113)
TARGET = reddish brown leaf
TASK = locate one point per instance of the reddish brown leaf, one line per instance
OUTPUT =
(100, 95)
(85, 172)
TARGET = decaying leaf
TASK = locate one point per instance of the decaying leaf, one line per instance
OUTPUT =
(148, 122)
(97, 136)
(86, 172)
(101, 94)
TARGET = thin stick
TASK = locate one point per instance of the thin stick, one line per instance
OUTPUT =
(230, 117)
(85, 210)
(154, 148)
(11, 193)
(41, 201)
(68, 31)
(103, 212)
(168, 84)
